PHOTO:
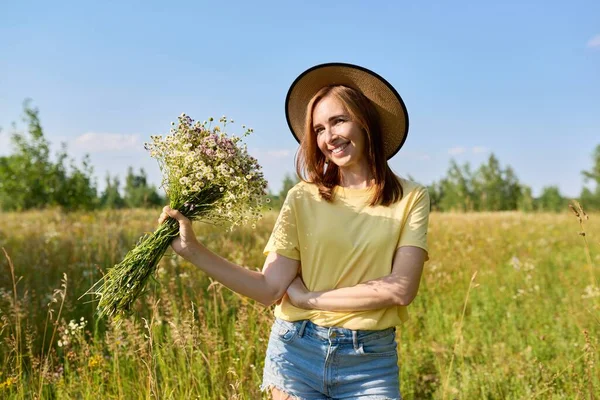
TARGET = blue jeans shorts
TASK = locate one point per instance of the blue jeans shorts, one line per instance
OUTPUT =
(311, 362)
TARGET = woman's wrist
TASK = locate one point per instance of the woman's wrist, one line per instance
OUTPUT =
(309, 300)
(193, 250)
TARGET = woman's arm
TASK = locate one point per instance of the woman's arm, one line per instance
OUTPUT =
(265, 287)
(398, 288)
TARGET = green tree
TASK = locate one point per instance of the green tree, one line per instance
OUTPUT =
(26, 171)
(456, 189)
(496, 188)
(488, 184)
(594, 173)
(591, 198)
(551, 199)
(111, 197)
(79, 191)
(525, 201)
(137, 191)
(436, 194)
(511, 189)
(30, 179)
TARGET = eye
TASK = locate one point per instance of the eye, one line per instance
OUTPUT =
(339, 120)
(318, 130)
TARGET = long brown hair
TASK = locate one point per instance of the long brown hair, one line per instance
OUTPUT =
(310, 161)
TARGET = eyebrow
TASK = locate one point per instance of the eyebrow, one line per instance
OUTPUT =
(331, 119)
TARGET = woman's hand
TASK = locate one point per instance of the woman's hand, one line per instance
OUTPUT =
(298, 294)
(186, 243)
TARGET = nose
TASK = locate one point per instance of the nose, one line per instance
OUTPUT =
(329, 136)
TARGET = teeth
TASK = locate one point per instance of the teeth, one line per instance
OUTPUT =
(339, 149)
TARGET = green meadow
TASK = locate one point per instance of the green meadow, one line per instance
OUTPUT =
(509, 308)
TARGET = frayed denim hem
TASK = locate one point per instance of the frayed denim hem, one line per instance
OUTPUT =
(268, 387)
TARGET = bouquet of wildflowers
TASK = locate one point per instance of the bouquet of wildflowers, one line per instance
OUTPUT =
(207, 176)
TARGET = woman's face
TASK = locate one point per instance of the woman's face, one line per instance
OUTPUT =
(339, 138)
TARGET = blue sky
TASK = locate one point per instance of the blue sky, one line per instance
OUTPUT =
(520, 79)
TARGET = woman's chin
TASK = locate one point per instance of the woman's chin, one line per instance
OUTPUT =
(341, 163)
(341, 160)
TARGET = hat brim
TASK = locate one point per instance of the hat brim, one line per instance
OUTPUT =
(390, 106)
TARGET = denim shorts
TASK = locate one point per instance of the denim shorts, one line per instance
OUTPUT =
(311, 362)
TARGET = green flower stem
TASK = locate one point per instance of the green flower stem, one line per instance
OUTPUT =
(207, 176)
(125, 282)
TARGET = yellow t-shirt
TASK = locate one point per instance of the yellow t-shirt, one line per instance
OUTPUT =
(347, 242)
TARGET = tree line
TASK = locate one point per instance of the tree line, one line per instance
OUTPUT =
(492, 187)
(31, 179)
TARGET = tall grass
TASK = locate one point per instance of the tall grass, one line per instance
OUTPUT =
(527, 327)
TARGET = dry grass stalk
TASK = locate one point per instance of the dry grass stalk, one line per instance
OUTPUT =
(17, 313)
(458, 335)
(577, 209)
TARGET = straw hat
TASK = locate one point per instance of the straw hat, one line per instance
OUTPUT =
(392, 111)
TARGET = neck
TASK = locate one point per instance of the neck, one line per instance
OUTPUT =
(356, 178)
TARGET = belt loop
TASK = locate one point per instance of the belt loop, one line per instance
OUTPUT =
(355, 340)
(301, 331)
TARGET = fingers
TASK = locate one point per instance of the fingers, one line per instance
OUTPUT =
(163, 217)
(169, 212)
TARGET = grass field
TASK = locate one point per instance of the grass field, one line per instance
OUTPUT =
(509, 308)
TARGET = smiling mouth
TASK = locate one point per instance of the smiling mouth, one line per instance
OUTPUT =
(339, 149)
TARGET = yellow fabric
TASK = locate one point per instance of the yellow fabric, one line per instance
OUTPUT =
(347, 242)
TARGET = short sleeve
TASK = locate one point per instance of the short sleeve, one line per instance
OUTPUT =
(414, 231)
(284, 238)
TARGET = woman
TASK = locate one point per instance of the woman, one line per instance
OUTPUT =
(347, 251)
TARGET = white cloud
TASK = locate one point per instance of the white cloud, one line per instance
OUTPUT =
(458, 150)
(594, 42)
(279, 153)
(414, 155)
(454, 151)
(102, 142)
(271, 154)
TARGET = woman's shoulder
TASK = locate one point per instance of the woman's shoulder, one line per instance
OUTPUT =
(303, 189)
(410, 186)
